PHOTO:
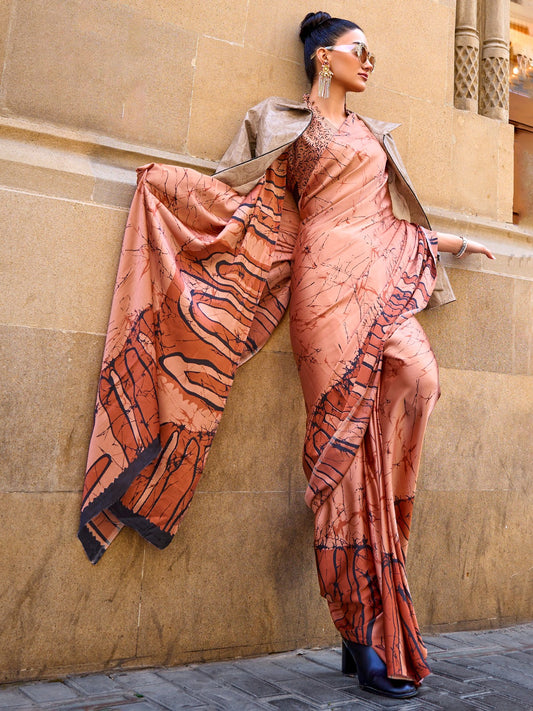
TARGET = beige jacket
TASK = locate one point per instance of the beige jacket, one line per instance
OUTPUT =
(271, 126)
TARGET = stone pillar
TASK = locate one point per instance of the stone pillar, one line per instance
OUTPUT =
(494, 84)
(466, 56)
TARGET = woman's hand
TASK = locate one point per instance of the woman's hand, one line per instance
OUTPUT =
(455, 245)
(478, 248)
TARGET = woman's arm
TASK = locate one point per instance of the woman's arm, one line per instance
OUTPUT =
(460, 246)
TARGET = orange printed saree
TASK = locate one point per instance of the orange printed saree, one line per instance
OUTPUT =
(196, 293)
(369, 379)
(202, 281)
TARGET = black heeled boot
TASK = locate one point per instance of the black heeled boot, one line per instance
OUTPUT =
(372, 672)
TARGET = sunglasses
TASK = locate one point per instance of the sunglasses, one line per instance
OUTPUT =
(359, 50)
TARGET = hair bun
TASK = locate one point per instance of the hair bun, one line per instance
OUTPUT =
(311, 21)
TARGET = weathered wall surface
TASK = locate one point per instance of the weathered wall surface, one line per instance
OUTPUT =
(89, 90)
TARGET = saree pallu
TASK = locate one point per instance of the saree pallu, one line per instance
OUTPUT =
(202, 282)
(369, 379)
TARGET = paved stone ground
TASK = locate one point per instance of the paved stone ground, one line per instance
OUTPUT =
(487, 671)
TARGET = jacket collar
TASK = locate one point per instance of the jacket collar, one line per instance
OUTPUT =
(380, 128)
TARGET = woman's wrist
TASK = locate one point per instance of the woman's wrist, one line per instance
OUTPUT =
(462, 248)
(453, 244)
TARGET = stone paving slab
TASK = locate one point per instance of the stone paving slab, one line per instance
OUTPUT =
(472, 671)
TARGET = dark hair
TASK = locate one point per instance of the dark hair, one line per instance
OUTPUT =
(319, 29)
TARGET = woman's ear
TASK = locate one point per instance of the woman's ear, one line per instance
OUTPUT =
(321, 54)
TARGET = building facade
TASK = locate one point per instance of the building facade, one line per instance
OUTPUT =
(89, 90)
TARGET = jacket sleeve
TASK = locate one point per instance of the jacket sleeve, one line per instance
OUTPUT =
(242, 148)
(406, 205)
(268, 128)
(240, 167)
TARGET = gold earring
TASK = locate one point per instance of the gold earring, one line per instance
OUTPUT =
(324, 79)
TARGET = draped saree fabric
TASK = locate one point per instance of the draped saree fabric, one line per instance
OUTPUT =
(196, 291)
(369, 380)
(203, 280)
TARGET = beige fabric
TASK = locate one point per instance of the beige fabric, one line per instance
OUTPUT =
(266, 131)
(271, 126)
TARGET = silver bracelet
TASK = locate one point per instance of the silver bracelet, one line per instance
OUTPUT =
(462, 249)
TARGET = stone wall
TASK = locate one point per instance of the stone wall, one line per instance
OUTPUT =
(89, 90)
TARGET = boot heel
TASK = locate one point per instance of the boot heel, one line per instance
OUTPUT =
(348, 662)
(371, 671)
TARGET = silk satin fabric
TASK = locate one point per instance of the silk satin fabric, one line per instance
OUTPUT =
(203, 279)
(369, 379)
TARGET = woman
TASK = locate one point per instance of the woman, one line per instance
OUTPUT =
(202, 282)
(368, 373)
